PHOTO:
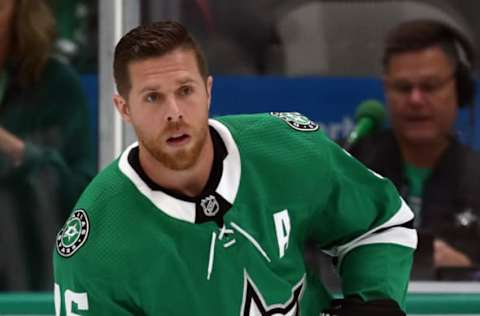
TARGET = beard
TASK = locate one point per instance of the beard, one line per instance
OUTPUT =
(180, 159)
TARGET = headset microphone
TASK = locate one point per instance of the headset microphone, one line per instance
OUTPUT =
(369, 116)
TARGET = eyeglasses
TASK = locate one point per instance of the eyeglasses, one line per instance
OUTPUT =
(429, 87)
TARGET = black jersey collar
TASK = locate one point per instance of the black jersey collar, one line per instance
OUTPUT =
(223, 188)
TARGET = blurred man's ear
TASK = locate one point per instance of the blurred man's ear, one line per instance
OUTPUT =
(209, 89)
(122, 107)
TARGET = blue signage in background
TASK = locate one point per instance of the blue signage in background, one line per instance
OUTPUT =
(330, 101)
(90, 86)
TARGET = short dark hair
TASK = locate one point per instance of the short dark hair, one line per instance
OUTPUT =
(421, 34)
(152, 40)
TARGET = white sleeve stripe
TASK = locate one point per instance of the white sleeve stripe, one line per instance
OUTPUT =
(402, 216)
(397, 235)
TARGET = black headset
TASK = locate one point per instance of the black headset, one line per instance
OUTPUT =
(456, 46)
(465, 85)
(464, 54)
(464, 76)
(454, 43)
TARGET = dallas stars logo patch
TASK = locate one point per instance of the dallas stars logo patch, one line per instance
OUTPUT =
(254, 303)
(73, 234)
(297, 121)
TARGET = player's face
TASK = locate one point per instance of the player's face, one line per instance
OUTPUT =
(168, 107)
(422, 96)
(6, 14)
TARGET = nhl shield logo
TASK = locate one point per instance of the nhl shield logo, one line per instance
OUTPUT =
(73, 234)
(210, 206)
(297, 121)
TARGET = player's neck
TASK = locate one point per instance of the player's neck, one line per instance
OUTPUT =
(189, 182)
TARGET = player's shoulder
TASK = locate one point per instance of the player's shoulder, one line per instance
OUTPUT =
(105, 187)
(106, 195)
(287, 124)
(94, 202)
(289, 136)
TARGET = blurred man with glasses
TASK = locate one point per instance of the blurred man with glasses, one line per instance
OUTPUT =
(427, 78)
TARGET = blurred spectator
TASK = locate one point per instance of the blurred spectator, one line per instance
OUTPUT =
(77, 29)
(45, 144)
(427, 77)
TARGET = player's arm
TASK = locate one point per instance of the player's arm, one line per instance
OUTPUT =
(82, 301)
(372, 235)
(79, 292)
(86, 283)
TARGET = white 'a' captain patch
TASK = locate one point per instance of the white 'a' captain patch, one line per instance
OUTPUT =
(73, 234)
(282, 229)
(254, 304)
(297, 121)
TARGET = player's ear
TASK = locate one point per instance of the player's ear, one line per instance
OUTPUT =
(209, 84)
(122, 107)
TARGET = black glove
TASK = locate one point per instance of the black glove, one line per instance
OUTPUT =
(354, 306)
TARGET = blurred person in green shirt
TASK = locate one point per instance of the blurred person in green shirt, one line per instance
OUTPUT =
(46, 155)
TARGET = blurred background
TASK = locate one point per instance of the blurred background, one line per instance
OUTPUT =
(320, 58)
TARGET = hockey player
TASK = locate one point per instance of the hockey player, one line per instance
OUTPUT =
(209, 216)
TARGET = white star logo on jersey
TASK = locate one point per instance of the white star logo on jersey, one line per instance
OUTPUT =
(254, 303)
(297, 121)
(73, 234)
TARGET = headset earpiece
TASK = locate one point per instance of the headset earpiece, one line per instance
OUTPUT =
(465, 86)
(464, 72)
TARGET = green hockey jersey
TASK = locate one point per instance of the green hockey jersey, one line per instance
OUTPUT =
(133, 248)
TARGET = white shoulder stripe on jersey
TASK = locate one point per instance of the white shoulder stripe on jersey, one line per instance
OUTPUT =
(394, 235)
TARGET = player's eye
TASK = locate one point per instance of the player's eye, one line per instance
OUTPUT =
(152, 97)
(185, 90)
